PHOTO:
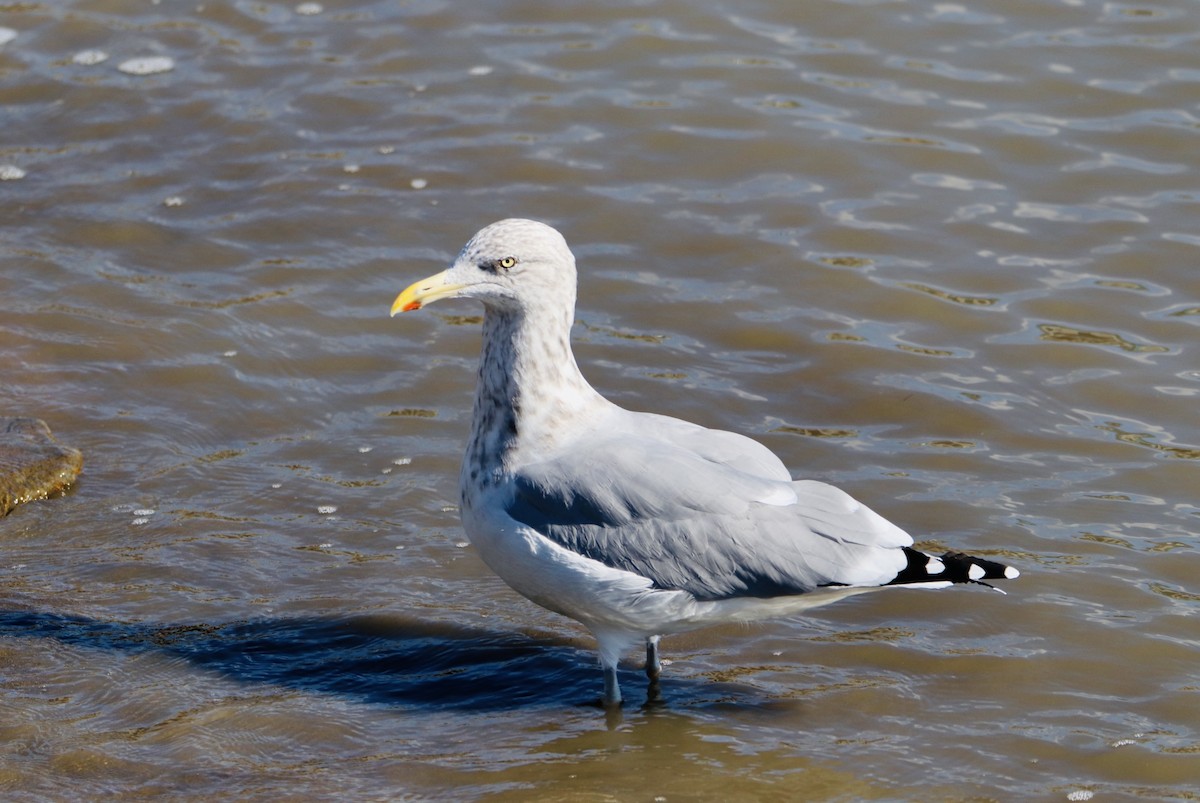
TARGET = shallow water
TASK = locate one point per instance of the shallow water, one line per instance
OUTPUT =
(941, 255)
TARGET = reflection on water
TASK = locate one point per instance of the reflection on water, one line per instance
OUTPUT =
(941, 256)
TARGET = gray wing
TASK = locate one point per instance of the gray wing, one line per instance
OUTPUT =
(675, 515)
(714, 445)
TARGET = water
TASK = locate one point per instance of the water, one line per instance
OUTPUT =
(941, 255)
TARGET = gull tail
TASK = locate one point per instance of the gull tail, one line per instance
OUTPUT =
(953, 567)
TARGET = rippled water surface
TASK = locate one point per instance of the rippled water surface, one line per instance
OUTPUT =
(942, 255)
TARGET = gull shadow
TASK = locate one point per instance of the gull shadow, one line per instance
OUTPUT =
(379, 659)
(389, 660)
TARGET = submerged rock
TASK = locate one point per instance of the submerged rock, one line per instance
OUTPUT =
(33, 464)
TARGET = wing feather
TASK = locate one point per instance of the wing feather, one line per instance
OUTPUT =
(665, 509)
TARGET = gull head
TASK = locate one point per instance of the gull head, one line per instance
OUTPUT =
(511, 265)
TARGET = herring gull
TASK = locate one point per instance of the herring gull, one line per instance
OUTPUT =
(639, 525)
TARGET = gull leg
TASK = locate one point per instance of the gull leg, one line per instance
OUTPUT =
(612, 690)
(612, 643)
(653, 670)
(653, 665)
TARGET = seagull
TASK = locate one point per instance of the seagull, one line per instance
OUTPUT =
(639, 525)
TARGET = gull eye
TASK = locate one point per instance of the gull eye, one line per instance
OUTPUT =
(507, 262)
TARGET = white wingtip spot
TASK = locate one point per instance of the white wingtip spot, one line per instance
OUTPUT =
(976, 572)
(934, 566)
(1010, 573)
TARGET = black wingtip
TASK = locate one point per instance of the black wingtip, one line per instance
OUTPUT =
(953, 567)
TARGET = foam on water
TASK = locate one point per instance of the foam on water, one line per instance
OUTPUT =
(90, 57)
(147, 65)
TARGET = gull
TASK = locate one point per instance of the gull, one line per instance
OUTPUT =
(635, 524)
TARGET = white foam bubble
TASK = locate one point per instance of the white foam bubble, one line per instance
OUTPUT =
(309, 9)
(89, 57)
(327, 509)
(147, 65)
(7, 35)
(418, 183)
(11, 173)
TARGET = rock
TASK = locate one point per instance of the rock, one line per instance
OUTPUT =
(33, 464)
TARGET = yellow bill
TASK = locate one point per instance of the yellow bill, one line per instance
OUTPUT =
(425, 291)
